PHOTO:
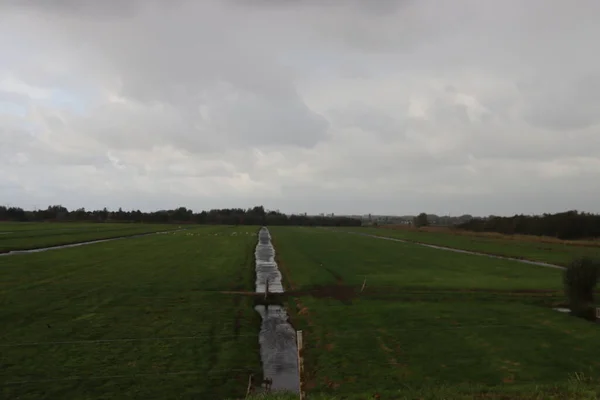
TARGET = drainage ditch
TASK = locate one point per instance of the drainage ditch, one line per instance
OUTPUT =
(277, 337)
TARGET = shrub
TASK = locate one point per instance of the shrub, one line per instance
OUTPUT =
(580, 279)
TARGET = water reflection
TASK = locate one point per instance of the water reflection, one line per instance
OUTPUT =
(277, 337)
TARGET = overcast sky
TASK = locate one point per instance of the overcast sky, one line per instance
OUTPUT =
(380, 106)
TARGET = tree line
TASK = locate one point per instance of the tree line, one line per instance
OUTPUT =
(227, 216)
(565, 225)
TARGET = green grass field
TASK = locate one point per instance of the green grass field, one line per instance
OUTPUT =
(135, 318)
(24, 236)
(427, 319)
(145, 318)
(553, 253)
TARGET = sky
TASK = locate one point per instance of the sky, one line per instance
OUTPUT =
(386, 107)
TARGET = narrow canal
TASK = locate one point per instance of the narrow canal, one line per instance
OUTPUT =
(277, 337)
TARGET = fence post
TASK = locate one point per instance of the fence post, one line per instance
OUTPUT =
(300, 346)
(266, 288)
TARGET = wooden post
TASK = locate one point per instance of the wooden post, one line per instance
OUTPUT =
(300, 346)
(363, 286)
(266, 288)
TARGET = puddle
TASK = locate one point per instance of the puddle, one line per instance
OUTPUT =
(277, 337)
(432, 246)
(66, 246)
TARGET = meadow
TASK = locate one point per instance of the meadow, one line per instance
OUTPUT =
(158, 317)
(133, 318)
(535, 248)
(25, 235)
(428, 319)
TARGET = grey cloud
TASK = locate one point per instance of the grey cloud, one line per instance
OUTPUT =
(88, 8)
(372, 120)
(564, 103)
(338, 106)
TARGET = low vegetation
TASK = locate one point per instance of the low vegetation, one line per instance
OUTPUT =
(136, 318)
(24, 236)
(163, 316)
(580, 280)
(529, 248)
(428, 319)
(565, 225)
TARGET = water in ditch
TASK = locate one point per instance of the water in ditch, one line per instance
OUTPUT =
(277, 337)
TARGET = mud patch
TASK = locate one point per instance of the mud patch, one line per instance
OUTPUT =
(343, 293)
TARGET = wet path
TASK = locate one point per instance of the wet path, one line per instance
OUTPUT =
(452, 249)
(277, 337)
(66, 246)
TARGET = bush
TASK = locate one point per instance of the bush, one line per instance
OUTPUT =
(580, 279)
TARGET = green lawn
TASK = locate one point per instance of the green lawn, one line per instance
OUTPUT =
(138, 318)
(23, 236)
(429, 319)
(553, 253)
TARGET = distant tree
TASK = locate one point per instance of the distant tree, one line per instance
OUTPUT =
(566, 225)
(580, 279)
(421, 220)
(227, 216)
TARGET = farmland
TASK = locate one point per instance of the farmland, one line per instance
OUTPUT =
(533, 248)
(427, 318)
(158, 317)
(134, 318)
(23, 236)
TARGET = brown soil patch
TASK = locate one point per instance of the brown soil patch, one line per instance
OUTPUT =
(303, 311)
(343, 293)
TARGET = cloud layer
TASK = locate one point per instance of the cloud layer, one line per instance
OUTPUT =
(392, 107)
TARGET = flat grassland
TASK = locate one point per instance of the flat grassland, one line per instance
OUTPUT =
(428, 319)
(133, 318)
(535, 248)
(25, 235)
(145, 317)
